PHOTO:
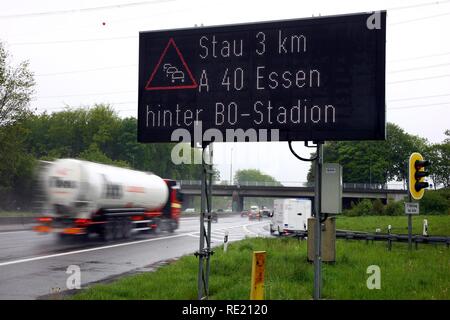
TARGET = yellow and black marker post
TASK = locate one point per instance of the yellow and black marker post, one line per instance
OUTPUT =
(258, 266)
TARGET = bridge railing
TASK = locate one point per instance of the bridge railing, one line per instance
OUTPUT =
(346, 185)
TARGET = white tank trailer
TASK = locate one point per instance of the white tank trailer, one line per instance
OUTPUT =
(83, 197)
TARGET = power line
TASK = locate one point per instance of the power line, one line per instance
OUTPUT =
(419, 68)
(73, 41)
(140, 3)
(87, 94)
(421, 57)
(418, 19)
(418, 79)
(419, 5)
(156, 1)
(422, 97)
(85, 70)
(82, 10)
(420, 106)
(76, 107)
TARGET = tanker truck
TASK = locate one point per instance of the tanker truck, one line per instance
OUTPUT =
(83, 198)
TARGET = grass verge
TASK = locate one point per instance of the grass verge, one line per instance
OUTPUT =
(438, 225)
(420, 274)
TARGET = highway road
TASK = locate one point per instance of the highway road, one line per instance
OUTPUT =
(34, 265)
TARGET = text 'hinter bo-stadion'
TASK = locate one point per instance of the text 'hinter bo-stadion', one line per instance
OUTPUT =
(232, 80)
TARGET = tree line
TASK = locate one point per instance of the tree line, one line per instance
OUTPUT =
(383, 161)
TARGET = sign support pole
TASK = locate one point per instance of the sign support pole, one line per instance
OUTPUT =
(204, 251)
(409, 216)
(209, 175)
(317, 210)
(318, 224)
(410, 227)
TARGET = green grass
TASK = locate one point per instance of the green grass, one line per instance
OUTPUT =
(438, 225)
(420, 274)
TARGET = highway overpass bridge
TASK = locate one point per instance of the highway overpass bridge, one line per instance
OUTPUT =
(351, 191)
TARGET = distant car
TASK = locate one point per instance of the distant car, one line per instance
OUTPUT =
(219, 210)
(254, 213)
(244, 213)
(189, 210)
(266, 213)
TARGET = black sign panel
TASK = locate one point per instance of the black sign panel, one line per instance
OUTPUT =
(312, 79)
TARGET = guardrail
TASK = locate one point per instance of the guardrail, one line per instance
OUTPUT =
(388, 237)
(359, 186)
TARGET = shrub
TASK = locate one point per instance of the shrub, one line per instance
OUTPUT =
(362, 208)
(394, 208)
(435, 202)
(378, 207)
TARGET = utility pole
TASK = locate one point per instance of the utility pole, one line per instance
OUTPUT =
(231, 167)
(318, 224)
(204, 252)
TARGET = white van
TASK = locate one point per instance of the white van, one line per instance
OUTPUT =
(290, 215)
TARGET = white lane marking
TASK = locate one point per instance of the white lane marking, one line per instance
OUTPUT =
(89, 250)
(100, 248)
(193, 235)
(219, 240)
(9, 232)
(249, 231)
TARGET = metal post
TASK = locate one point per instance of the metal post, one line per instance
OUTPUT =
(205, 233)
(409, 215)
(209, 168)
(225, 242)
(231, 167)
(410, 226)
(202, 230)
(318, 225)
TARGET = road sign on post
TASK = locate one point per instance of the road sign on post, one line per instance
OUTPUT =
(411, 208)
(313, 79)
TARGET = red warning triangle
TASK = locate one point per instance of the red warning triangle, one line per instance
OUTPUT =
(171, 74)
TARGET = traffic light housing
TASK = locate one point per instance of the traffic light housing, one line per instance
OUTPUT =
(417, 174)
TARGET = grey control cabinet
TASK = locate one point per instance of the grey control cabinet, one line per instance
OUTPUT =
(328, 243)
(331, 188)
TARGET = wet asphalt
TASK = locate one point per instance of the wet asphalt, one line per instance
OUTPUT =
(35, 265)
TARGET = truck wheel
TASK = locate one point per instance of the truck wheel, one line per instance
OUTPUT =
(126, 229)
(107, 233)
(117, 229)
(172, 226)
(158, 228)
(63, 238)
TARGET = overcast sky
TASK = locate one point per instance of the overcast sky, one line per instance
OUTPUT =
(86, 52)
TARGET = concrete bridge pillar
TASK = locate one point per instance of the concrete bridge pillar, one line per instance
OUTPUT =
(237, 202)
(188, 201)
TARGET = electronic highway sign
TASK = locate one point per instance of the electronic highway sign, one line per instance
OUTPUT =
(320, 78)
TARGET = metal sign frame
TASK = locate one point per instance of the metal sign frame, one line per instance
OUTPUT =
(348, 55)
